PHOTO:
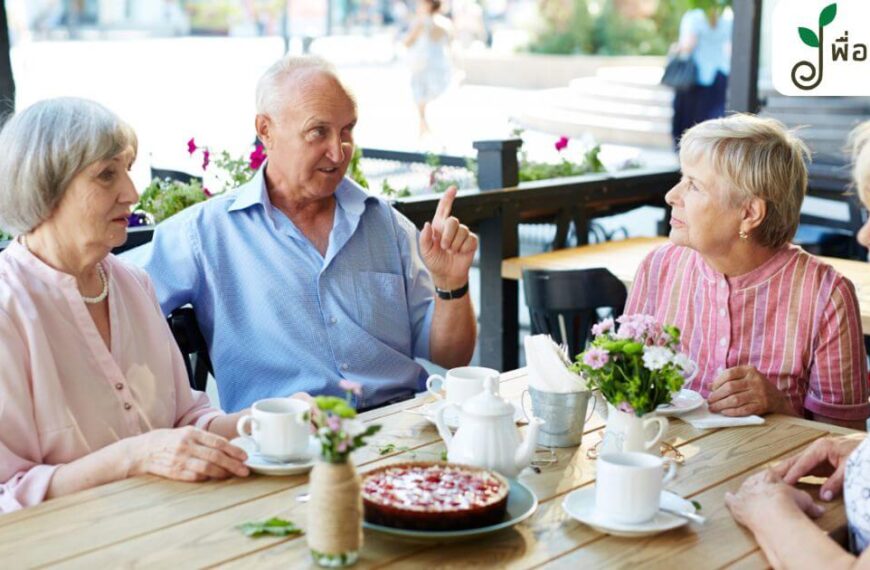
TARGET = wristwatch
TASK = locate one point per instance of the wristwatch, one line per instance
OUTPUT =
(454, 294)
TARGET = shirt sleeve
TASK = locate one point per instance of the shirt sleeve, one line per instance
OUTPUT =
(688, 26)
(171, 262)
(838, 375)
(418, 284)
(192, 407)
(24, 480)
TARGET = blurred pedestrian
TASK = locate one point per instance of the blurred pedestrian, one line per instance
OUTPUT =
(429, 45)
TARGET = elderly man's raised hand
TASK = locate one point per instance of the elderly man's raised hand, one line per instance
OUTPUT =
(186, 454)
(447, 246)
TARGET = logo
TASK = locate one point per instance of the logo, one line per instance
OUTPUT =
(820, 48)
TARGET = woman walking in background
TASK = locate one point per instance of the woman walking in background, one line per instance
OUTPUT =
(705, 37)
(429, 44)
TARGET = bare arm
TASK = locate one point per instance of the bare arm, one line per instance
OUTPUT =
(414, 34)
(454, 331)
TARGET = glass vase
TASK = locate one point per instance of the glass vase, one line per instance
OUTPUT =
(334, 514)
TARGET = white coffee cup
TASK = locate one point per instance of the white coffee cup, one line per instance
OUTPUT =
(460, 383)
(628, 486)
(278, 428)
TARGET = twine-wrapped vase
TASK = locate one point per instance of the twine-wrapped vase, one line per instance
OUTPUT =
(335, 514)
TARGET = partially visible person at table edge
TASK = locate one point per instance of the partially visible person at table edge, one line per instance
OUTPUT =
(772, 328)
(777, 513)
(93, 388)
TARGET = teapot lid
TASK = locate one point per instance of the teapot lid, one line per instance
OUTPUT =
(488, 402)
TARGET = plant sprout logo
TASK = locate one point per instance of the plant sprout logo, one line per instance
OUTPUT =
(839, 51)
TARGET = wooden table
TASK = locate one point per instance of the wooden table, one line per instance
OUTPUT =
(623, 258)
(152, 522)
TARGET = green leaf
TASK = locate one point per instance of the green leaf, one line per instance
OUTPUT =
(809, 37)
(444, 455)
(827, 16)
(273, 527)
(697, 505)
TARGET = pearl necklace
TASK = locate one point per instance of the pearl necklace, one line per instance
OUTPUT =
(100, 271)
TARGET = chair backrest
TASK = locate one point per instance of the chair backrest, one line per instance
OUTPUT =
(564, 304)
(185, 329)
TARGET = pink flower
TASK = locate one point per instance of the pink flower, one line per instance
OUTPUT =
(258, 156)
(205, 158)
(191, 146)
(333, 423)
(596, 358)
(562, 144)
(604, 326)
(206, 192)
(354, 387)
(342, 446)
(625, 407)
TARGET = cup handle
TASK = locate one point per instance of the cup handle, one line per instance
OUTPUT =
(242, 428)
(672, 470)
(430, 385)
(662, 428)
(591, 408)
(523, 406)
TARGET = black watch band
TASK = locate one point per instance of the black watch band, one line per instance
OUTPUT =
(455, 294)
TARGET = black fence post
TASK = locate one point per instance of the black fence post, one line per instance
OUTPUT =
(497, 167)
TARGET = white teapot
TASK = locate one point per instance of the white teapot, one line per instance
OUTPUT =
(487, 436)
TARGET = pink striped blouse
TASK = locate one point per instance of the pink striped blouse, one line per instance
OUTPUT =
(794, 318)
(63, 392)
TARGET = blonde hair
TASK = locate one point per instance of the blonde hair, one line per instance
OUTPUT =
(44, 147)
(271, 91)
(859, 143)
(756, 158)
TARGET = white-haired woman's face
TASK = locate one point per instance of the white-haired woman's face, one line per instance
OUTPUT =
(702, 215)
(93, 211)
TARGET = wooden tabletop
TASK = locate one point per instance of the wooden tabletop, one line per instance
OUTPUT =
(623, 258)
(152, 522)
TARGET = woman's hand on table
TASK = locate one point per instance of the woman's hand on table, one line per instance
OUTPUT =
(186, 454)
(743, 391)
(825, 457)
(764, 496)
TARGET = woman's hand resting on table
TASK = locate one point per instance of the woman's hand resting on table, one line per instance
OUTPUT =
(185, 454)
(825, 457)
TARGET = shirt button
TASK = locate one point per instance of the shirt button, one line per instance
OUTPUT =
(345, 366)
(723, 341)
(722, 284)
(127, 405)
(119, 386)
(332, 320)
(721, 312)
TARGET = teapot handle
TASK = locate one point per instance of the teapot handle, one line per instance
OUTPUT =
(441, 423)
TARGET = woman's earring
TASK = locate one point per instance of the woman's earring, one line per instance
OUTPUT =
(743, 235)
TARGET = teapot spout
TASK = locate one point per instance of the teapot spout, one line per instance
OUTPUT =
(526, 450)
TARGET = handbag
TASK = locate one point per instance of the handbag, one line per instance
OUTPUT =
(680, 73)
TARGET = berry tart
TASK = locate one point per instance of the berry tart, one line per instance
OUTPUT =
(421, 495)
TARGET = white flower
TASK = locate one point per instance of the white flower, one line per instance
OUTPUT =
(354, 427)
(656, 357)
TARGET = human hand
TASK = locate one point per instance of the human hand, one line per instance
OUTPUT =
(186, 454)
(743, 391)
(825, 457)
(764, 496)
(447, 246)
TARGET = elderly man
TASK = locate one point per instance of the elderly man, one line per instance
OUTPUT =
(300, 279)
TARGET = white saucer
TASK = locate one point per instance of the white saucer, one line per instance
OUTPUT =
(429, 411)
(259, 464)
(685, 401)
(580, 505)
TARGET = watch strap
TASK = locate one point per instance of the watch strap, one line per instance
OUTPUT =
(454, 294)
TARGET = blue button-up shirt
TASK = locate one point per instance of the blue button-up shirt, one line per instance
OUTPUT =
(278, 316)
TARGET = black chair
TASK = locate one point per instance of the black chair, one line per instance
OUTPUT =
(564, 304)
(185, 329)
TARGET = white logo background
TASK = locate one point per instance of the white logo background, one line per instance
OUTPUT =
(838, 77)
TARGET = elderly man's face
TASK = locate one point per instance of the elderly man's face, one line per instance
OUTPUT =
(702, 216)
(310, 143)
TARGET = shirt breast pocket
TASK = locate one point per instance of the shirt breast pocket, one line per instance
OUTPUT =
(382, 306)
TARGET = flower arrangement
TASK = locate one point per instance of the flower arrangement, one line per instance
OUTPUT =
(636, 366)
(334, 423)
(531, 170)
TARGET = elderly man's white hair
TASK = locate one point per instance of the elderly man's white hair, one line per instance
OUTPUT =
(44, 147)
(272, 90)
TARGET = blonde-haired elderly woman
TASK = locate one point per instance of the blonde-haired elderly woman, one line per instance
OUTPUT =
(772, 328)
(92, 386)
(777, 513)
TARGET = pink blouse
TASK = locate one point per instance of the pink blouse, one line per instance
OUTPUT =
(794, 318)
(63, 393)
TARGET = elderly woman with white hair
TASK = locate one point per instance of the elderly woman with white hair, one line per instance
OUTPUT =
(772, 328)
(779, 514)
(93, 388)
